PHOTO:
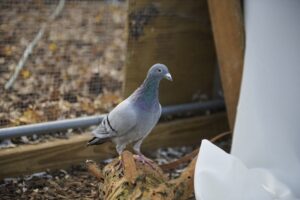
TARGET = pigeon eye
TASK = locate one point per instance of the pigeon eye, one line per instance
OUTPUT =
(159, 70)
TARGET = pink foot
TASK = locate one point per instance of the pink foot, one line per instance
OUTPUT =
(143, 159)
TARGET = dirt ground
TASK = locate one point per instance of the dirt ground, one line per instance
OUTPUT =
(77, 183)
(76, 68)
(73, 183)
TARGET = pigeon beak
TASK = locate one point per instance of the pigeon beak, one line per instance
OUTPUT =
(168, 77)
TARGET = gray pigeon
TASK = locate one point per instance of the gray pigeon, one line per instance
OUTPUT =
(134, 118)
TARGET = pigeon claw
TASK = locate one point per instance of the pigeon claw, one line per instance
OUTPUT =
(145, 160)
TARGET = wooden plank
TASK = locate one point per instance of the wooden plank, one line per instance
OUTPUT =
(229, 36)
(176, 33)
(58, 154)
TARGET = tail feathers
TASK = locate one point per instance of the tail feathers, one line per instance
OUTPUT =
(97, 141)
(101, 135)
(99, 131)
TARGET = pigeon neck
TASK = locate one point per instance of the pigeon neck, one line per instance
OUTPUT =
(147, 94)
(149, 88)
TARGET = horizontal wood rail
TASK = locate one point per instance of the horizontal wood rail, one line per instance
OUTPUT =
(57, 154)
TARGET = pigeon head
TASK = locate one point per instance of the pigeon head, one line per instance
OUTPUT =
(146, 96)
(159, 71)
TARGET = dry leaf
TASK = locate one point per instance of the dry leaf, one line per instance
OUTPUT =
(87, 106)
(110, 98)
(64, 106)
(31, 116)
(98, 18)
(25, 73)
(8, 51)
(14, 122)
(83, 44)
(52, 47)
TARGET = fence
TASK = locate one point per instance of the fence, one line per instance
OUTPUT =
(60, 59)
(71, 61)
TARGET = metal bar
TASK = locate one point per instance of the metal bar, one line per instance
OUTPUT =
(193, 108)
(59, 125)
(49, 127)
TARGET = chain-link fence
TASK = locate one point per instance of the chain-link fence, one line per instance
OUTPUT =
(65, 59)
(75, 67)
(60, 59)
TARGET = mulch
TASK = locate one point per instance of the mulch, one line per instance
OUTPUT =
(77, 183)
(72, 183)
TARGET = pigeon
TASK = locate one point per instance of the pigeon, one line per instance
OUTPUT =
(133, 119)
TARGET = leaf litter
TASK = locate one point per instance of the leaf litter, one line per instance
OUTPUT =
(75, 70)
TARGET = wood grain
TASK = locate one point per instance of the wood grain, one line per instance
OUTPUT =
(177, 33)
(137, 180)
(58, 154)
(229, 36)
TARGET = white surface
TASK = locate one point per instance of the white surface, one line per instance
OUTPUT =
(265, 160)
(221, 176)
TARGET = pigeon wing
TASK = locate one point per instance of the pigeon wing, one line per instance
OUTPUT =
(118, 122)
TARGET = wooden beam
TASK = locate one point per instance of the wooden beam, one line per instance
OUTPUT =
(228, 29)
(176, 33)
(58, 154)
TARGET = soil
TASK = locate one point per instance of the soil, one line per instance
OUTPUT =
(73, 183)
(77, 183)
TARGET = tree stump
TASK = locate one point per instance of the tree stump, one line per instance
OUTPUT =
(129, 178)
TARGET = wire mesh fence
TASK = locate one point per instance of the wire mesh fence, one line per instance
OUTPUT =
(63, 59)
(73, 69)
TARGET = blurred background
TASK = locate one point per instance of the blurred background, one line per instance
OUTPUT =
(76, 67)
(62, 60)
(68, 59)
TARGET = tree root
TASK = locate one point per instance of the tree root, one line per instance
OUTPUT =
(136, 180)
(128, 178)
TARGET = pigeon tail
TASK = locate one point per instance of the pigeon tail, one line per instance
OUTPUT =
(97, 141)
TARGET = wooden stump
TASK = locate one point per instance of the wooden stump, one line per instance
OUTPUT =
(129, 178)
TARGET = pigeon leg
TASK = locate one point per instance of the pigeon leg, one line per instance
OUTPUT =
(141, 157)
(137, 147)
(120, 149)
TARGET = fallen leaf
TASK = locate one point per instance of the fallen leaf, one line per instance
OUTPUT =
(64, 106)
(25, 73)
(31, 116)
(8, 51)
(98, 18)
(111, 98)
(87, 106)
(52, 47)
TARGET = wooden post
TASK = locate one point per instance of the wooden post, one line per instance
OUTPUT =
(176, 33)
(228, 29)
